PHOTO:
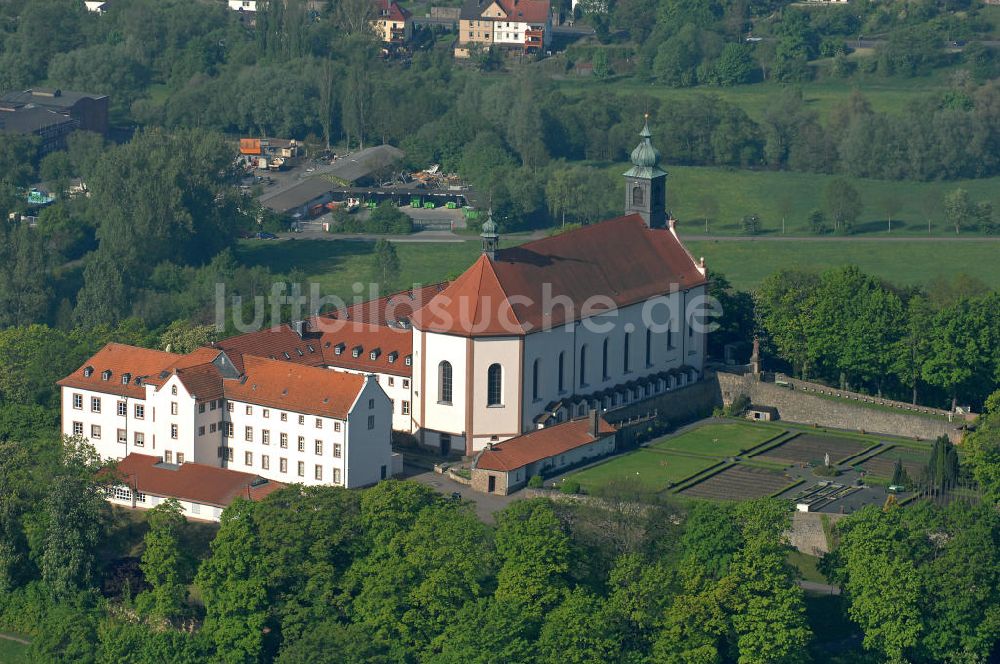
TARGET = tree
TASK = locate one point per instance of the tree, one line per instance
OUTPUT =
(534, 556)
(734, 65)
(165, 564)
(843, 203)
(750, 224)
(576, 632)
(817, 222)
(958, 209)
(183, 336)
(982, 448)
(387, 264)
(785, 303)
(233, 587)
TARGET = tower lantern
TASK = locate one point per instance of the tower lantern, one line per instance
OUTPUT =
(646, 182)
(491, 239)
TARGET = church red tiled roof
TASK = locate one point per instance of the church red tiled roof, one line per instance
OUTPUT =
(621, 259)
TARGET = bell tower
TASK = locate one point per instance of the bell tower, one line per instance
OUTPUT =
(646, 183)
(490, 237)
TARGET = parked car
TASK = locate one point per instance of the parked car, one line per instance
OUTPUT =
(266, 236)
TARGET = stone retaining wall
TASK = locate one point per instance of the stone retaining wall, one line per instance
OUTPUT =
(799, 405)
(807, 533)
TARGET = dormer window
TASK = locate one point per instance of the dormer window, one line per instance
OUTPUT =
(338, 349)
(138, 380)
(106, 374)
(299, 351)
(356, 351)
(311, 349)
(88, 372)
(126, 378)
(392, 356)
(286, 355)
(409, 360)
(375, 353)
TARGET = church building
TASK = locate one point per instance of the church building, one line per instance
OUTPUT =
(594, 318)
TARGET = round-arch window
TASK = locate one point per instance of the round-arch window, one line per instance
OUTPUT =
(638, 196)
(494, 385)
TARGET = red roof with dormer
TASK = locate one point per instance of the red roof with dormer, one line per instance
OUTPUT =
(526, 288)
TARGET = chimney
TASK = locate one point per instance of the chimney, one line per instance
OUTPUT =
(595, 419)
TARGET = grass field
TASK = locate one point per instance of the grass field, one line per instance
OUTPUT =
(722, 440)
(651, 469)
(824, 95)
(12, 652)
(774, 195)
(746, 264)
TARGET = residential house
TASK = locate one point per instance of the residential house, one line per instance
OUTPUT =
(520, 25)
(392, 23)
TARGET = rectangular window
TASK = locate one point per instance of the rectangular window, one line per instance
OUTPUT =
(139, 440)
(371, 404)
(337, 450)
(267, 413)
(95, 431)
(140, 411)
(78, 401)
(318, 448)
(173, 431)
(371, 421)
(284, 439)
(122, 409)
(336, 475)
(201, 408)
(392, 381)
(302, 443)
(265, 436)
(283, 464)
(318, 473)
(212, 405)
(180, 457)
(265, 462)
(248, 458)
(284, 417)
(195, 507)
(248, 434)
(230, 406)
(406, 408)
(302, 469)
(168, 456)
(122, 436)
(249, 410)
(319, 423)
(173, 390)
(173, 407)
(213, 427)
(336, 426)
(229, 429)
(302, 419)
(95, 404)
(231, 454)
(201, 431)
(406, 382)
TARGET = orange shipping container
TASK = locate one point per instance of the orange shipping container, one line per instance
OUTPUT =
(249, 146)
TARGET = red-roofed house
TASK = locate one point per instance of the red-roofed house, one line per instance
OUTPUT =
(522, 25)
(392, 23)
(506, 467)
(203, 491)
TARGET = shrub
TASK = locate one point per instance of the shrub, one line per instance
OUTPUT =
(536, 482)
(569, 486)
(739, 406)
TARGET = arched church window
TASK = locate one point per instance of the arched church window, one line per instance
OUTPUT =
(444, 382)
(638, 196)
(494, 383)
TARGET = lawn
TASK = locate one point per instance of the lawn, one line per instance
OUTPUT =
(807, 566)
(773, 195)
(12, 652)
(885, 94)
(651, 469)
(747, 263)
(718, 440)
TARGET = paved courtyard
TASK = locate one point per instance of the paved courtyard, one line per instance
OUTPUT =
(485, 503)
